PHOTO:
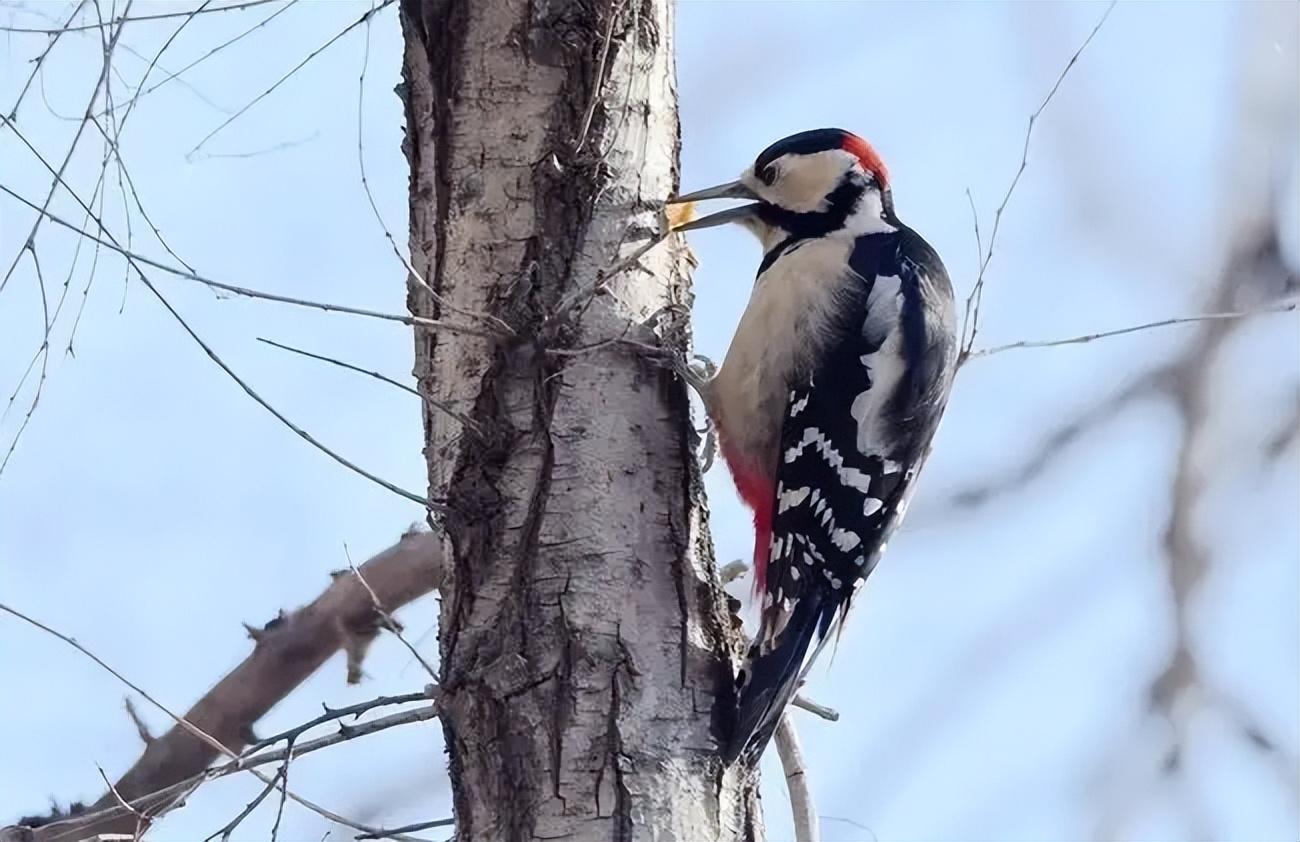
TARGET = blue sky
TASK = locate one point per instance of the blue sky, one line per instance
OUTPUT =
(993, 681)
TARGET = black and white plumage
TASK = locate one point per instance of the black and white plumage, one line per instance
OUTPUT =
(829, 395)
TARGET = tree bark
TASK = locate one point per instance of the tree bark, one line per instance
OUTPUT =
(585, 641)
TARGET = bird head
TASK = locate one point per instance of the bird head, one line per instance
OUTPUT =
(810, 184)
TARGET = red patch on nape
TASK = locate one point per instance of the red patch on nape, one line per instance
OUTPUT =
(871, 162)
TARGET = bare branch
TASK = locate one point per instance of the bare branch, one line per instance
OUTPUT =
(124, 18)
(583, 294)
(299, 66)
(287, 654)
(806, 826)
(140, 94)
(1285, 307)
(182, 723)
(246, 292)
(72, 148)
(158, 802)
(230, 826)
(333, 714)
(412, 828)
(39, 61)
(412, 273)
(465, 420)
(970, 322)
(140, 819)
(829, 714)
(207, 349)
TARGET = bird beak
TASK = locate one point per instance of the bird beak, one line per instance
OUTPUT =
(681, 208)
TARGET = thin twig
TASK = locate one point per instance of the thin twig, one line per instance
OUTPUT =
(289, 653)
(412, 828)
(237, 763)
(284, 791)
(599, 78)
(183, 723)
(134, 261)
(195, 90)
(123, 19)
(230, 826)
(344, 733)
(970, 321)
(1286, 307)
(246, 292)
(975, 221)
(829, 714)
(125, 172)
(140, 94)
(313, 54)
(140, 819)
(72, 147)
(332, 714)
(412, 272)
(806, 826)
(43, 353)
(39, 62)
(585, 292)
(465, 420)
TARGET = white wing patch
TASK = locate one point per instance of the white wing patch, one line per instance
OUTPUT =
(884, 366)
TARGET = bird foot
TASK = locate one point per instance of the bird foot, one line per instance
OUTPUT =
(696, 374)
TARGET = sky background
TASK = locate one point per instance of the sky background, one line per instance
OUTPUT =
(994, 682)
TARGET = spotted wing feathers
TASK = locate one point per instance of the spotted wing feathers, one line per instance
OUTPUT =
(855, 433)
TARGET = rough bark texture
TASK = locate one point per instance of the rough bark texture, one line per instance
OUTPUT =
(584, 638)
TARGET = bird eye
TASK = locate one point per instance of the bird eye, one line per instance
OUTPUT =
(768, 175)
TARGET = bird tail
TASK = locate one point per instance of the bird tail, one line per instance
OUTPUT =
(770, 678)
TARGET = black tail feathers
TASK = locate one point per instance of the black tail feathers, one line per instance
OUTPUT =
(769, 680)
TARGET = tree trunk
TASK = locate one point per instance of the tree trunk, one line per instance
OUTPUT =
(585, 642)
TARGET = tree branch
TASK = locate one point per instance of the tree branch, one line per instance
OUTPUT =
(1283, 307)
(288, 650)
(806, 826)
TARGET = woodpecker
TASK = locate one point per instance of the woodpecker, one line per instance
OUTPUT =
(828, 397)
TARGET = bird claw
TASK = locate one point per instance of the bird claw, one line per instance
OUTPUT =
(710, 448)
(695, 374)
(704, 444)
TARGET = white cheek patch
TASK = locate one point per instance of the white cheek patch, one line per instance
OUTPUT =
(804, 181)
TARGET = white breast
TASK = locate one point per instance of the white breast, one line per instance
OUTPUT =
(783, 331)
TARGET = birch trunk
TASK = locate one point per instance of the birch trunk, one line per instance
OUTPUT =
(584, 638)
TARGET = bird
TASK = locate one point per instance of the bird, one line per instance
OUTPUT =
(827, 401)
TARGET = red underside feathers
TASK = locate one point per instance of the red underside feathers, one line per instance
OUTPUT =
(756, 490)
